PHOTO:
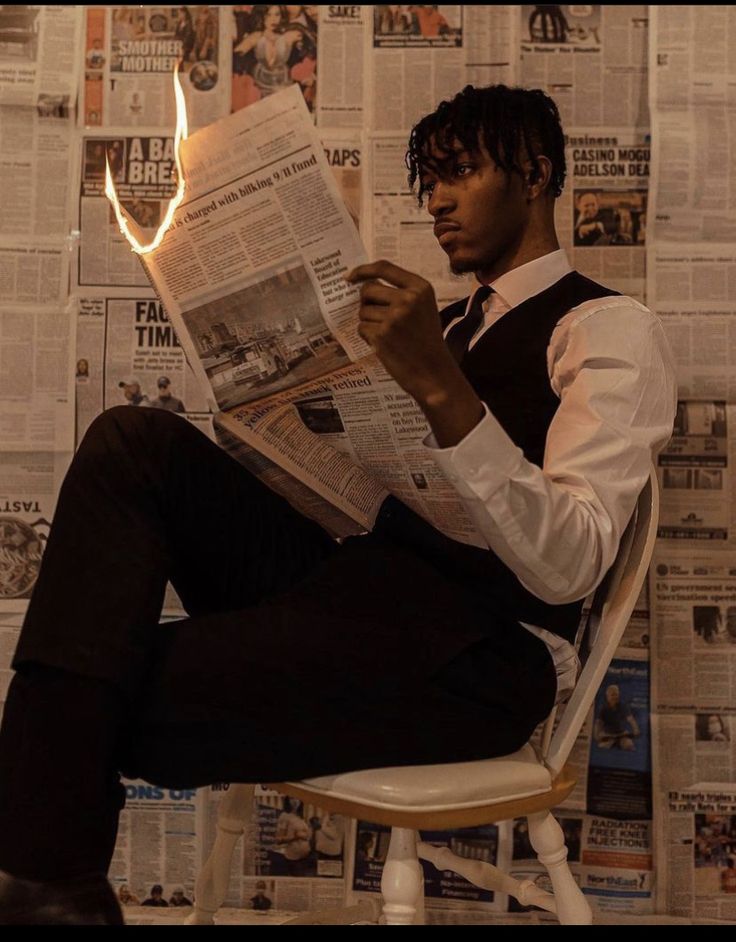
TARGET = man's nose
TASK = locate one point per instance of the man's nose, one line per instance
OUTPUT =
(441, 199)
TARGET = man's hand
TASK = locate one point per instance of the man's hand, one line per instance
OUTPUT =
(400, 321)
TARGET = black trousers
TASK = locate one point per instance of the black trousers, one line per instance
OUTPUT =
(300, 656)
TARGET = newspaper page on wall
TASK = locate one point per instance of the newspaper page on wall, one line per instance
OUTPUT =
(416, 55)
(39, 65)
(141, 164)
(128, 354)
(601, 215)
(36, 151)
(292, 856)
(340, 101)
(130, 50)
(592, 59)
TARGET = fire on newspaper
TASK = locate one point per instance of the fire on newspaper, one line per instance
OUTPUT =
(251, 274)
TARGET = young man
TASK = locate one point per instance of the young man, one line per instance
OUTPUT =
(547, 395)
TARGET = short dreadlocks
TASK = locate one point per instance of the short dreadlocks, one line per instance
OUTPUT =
(513, 124)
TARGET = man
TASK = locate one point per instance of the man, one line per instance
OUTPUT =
(132, 392)
(165, 400)
(546, 398)
(589, 228)
(156, 898)
(615, 725)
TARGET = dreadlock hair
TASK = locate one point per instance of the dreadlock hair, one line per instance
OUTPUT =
(513, 124)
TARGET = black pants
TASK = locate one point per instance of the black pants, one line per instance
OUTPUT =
(300, 656)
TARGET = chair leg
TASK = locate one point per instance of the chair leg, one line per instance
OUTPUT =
(210, 890)
(402, 883)
(548, 841)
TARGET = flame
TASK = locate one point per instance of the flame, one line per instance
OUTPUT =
(182, 132)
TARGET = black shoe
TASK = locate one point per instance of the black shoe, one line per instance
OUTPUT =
(82, 901)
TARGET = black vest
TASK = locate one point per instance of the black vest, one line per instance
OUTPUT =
(507, 368)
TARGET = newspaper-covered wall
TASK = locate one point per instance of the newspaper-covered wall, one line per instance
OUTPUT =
(77, 83)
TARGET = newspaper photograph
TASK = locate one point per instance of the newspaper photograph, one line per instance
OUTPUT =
(592, 59)
(39, 65)
(291, 857)
(610, 858)
(10, 625)
(442, 888)
(33, 271)
(141, 165)
(697, 851)
(29, 485)
(130, 50)
(694, 629)
(601, 215)
(36, 151)
(128, 354)
(693, 475)
(274, 47)
(693, 290)
(154, 864)
(340, 101)
(692, 123)
(36, 379)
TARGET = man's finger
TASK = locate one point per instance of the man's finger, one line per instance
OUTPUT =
(386, 271)
(373, 292)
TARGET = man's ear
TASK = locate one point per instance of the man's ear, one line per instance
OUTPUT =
(536, 179)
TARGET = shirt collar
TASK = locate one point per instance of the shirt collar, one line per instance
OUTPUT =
(529, 279)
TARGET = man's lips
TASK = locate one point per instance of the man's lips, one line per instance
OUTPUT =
(440, 228)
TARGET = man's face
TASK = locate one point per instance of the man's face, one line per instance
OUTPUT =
(480, 212)
(588, 205)
(164, 391)
(612, 696)
(131, 390)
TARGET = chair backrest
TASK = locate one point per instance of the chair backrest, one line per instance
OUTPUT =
(613, 603)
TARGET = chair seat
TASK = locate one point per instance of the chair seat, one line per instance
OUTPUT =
(437, 787)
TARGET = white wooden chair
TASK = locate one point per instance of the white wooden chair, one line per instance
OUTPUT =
(527, 783)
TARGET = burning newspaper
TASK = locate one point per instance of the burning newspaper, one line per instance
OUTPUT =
(251, 274)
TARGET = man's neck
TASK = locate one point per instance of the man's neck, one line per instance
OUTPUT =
(528, 251)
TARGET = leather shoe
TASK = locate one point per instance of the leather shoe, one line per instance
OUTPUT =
(80, 901)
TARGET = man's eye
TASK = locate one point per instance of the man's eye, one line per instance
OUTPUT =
(462, 170)
(428, 187)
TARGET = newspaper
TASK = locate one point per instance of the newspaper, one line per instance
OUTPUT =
(128, 52)
(128, 354)
(601, 215)
(693, 290)
(36, 151)
(156, 846)
(692, 123)
(697, 851)
(39, 65)
(694, 626)
(592, 59)
(251, 275)
(36, 382)
(141, 164)
(33, 271)
(416, 54)
(341, 53)
(291, 857)
(29, 485)
(696, 477)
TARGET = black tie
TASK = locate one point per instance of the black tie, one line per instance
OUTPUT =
(462, 333)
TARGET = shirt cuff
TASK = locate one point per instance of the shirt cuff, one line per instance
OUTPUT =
(482, 462)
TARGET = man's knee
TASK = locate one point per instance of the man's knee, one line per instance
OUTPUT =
(129, 430)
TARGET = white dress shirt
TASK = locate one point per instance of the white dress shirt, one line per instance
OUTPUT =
(558, 527)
